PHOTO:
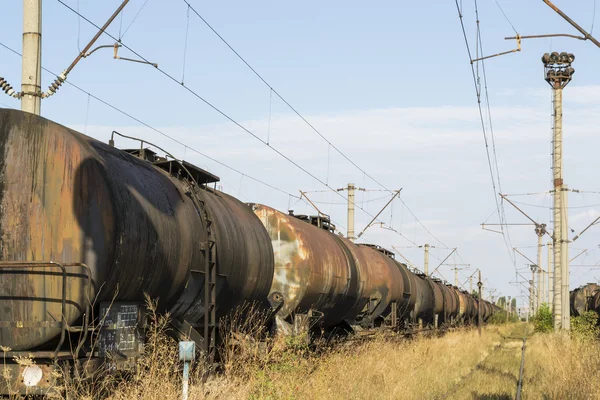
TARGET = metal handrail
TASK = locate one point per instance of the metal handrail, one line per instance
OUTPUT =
(63, 268)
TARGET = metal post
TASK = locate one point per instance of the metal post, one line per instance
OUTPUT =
(480, 286)
(350, 232)
(187, 353)
(32, 56)
(566, 311)
(550, 278)
(426, 263)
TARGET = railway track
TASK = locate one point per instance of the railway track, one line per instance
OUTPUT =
(500, 369)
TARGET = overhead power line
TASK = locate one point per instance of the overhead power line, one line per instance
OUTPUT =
(312, 127)
(476, 83)
(243, 174)
(239, 125)
(506, 17)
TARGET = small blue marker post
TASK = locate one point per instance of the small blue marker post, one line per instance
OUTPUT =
(187, 352)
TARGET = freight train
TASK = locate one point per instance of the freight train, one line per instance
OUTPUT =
(585, 298)
(87, 231)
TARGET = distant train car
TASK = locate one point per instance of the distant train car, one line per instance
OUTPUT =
(582, 299)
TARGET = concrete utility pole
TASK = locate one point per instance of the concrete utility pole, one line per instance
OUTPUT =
(564, 253)
(471, 284)
(456, 276)
(426, 261)
(532, 299)
(456, 269)
(350, 188)
(540, 271)
(350, 232)
(480, 286)
(558, 73)
(32, 56)
(550, 278)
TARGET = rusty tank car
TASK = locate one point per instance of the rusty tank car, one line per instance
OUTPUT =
(325, 279)
(582, 299)
(84, 224)
(87, 231)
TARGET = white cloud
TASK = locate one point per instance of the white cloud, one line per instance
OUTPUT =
(436, 154)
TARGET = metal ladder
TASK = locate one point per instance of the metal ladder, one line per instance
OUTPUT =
(210, 297)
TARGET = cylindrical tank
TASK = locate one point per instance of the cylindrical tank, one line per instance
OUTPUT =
(409, 296)
(312, 270)
(581, 298)
(452, 303)
(488, 310)
(595, 302)
(68, 198)
(386, 283)
(438, 298)
(426, 298)
(471, 310)
(464, 305)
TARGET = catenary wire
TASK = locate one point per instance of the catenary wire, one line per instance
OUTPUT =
(133, 20)
(478, 93)
(235, 122)
(311, 126)
(506, 17)
(90, 95)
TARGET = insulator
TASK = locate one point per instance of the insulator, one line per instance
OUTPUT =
(554, 57)
(571, 57)
(564, 57)
(546, 58)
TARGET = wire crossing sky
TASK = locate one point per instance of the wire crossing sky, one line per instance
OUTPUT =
(378, 95)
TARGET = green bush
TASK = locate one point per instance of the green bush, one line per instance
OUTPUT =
(585, 326)
(499, 317)
(543, 320)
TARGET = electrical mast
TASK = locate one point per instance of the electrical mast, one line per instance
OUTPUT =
(540, 288)
(558, 73)
(533, 306)
(350, 188)
(550, 278)
(426, 262)
(32, 56)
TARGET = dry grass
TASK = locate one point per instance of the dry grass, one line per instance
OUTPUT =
(557, 367)
(458, 365)
(386, 367)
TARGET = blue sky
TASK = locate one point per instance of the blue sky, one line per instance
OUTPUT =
(389, 83)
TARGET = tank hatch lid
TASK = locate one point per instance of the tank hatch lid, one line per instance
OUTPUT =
(380, 249)
(145, 154)
(201, 176)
